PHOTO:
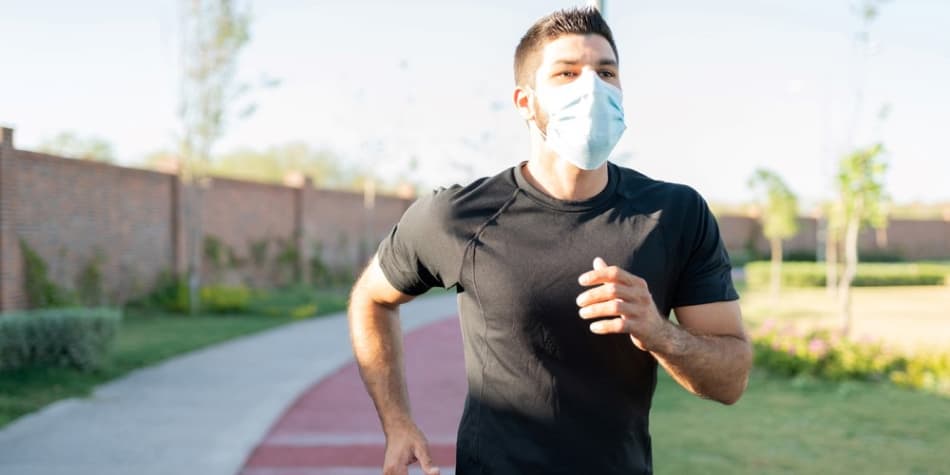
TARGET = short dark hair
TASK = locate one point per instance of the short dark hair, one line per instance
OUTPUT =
(577, 20)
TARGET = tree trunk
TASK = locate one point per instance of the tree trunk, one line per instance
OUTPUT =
(776, 282)
(831, 263)
(194, 246)
(850, 270)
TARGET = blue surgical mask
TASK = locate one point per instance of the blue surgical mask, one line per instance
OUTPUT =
(585, 119)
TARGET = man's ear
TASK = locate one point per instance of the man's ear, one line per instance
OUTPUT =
(522, 100)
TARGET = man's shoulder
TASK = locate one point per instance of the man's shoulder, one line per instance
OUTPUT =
(637, 186)
(480, 198)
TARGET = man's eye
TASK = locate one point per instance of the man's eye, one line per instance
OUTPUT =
(607, 74)
(567, 74)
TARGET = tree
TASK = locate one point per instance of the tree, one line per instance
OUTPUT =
(69, 144)
(275, 163)
(213, 32)
(861, 202)
(779, 217)
(865, 12)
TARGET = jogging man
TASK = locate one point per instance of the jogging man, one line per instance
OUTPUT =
(567, 267)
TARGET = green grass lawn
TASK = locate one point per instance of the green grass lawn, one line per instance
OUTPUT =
(801, 426)
(145, 338)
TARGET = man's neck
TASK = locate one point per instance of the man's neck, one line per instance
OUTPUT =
(559, 179)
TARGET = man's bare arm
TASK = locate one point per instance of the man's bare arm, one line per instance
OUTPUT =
(376, 336)
(708, 353)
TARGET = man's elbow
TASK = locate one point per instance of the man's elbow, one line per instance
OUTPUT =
(732, 396)
(734, 391)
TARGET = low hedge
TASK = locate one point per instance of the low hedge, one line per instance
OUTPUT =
(72, 337)
(812, 274)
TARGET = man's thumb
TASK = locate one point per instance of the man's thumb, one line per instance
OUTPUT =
(599, 263)
(425, 460)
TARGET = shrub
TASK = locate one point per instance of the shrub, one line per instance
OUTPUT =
(930, 372)
(41, 292)
(68, 337)
(824, 354)
(225, 299)
(812, 274)
(287, 261)
(214, 250)
(89, 282)
(297, 302)
(171, 295)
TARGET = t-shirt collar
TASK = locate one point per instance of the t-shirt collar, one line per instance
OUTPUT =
(604, 196)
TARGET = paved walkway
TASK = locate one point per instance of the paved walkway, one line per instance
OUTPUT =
(205, 412)
(333, 427)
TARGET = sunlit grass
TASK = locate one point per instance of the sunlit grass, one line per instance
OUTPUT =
(909, 317)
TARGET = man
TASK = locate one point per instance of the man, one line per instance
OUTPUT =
(567, 267)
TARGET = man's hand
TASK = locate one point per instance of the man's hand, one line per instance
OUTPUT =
(406, 445)
(708, 353)
(624, 295)
(376, 335)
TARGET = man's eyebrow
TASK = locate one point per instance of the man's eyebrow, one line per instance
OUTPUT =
(572, 62)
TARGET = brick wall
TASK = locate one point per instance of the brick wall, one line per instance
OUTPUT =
(909, 239)
(241, 213)
(69, 210)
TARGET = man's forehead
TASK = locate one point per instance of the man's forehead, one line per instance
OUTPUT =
(571, 48)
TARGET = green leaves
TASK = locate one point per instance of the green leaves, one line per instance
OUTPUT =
(861, 188)
(69, 144)
(780, 205)
(69, 337)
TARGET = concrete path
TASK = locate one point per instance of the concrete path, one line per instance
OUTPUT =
(200, 413)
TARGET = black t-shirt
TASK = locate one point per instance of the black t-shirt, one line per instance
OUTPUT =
(545, 394)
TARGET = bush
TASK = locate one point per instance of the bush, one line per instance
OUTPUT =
(297, 302)
(812, 274)
(826, 355)
(41, 292)
(171, 295)
(930, 372)
(67, 337)
(224, 299)
(89, 287)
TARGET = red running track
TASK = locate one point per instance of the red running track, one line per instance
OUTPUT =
(332, 428)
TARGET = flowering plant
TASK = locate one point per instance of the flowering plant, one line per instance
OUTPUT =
(826, 354)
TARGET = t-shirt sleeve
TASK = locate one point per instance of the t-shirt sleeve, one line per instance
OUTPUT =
(706, 272)
(419, 253)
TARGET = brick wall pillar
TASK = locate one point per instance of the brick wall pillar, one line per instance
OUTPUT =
(302, 202)
(11, 265)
